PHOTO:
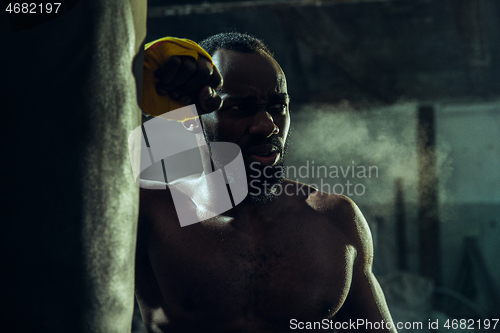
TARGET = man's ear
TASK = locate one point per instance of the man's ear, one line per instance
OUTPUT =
(192, 125)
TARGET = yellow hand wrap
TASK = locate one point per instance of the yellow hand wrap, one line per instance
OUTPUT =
(155, 55)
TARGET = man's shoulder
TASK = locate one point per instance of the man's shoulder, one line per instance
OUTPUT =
(150, 190)
(338, 210)
(154, 195)
(152, 185)
(321, 202)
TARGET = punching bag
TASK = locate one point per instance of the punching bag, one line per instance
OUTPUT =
(69, 200)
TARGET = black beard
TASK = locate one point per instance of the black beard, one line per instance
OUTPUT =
(261, 185)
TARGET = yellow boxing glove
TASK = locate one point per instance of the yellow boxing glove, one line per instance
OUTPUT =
(155, 55)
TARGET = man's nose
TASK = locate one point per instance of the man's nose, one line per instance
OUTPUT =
(263, 124)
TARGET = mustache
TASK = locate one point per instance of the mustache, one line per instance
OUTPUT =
(274, 140)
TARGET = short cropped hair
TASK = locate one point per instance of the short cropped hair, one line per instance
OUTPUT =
(234, 41)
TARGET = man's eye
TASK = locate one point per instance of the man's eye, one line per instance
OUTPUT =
(241, 108)
(278, 106)
(250, 107)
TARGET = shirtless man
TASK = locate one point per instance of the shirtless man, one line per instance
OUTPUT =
(301, 259)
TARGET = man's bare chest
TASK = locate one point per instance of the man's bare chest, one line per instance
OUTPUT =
(280, 268)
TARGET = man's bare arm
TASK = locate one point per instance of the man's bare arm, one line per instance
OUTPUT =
(147, 289)
(365, 301)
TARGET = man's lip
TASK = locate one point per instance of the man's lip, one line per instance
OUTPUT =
(262, 149)
(265, 160)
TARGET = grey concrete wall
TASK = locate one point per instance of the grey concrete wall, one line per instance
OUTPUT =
(470, 197)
